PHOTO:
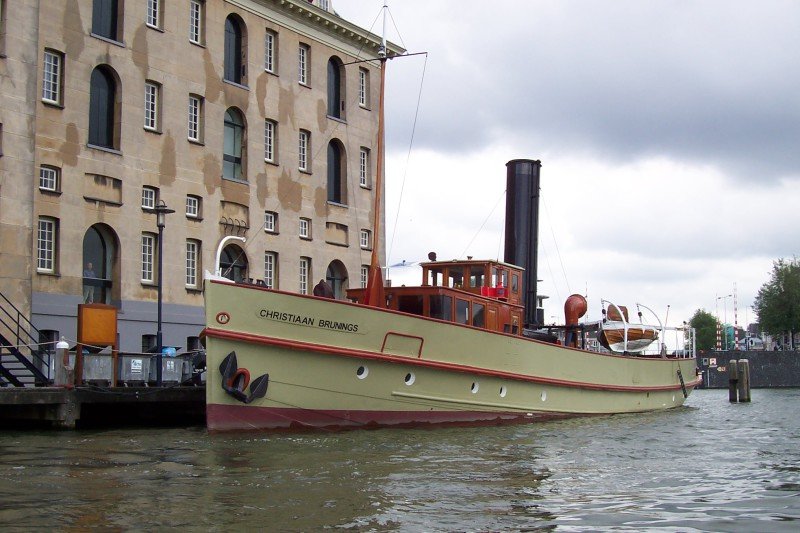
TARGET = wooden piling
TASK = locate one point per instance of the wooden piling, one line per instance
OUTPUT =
(744, 380)
(733, 381)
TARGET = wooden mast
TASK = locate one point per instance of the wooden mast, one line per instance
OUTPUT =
(375, 294)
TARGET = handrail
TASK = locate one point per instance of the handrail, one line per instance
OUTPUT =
(25, 334)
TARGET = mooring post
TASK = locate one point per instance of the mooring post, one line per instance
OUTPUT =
(744, 380)
(733, 380)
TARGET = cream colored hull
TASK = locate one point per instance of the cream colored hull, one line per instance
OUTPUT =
(335, 364)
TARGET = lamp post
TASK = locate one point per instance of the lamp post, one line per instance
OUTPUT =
(725, 306)
(161, 211)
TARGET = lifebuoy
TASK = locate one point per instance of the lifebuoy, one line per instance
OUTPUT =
(240, 379)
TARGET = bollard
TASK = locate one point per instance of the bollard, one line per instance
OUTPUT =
(733, 380)
(744, 380)
(62, 368)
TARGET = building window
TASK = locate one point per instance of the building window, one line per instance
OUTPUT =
(154, 9)
(271, 52)
(233, 156)
(195, 118)
(364, 275)
(53, 77)
(305, 274)
(363, 167)
(335, 88)
(270, 221)
(196, 25)
(152, 93)
(103, 112)
(337, 170)
(105, 22)
(270, 270)
(363, 87)
(193, 206)
(365, 239)
(46, 245)
(305, 228)
(303, 58)
(235, 50)
(149, 342)
(149, 197)
(148, 254)
(270, 140)
(48, 178)
(192, 258)
(302, 150)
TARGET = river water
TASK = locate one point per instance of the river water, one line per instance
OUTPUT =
(708, 466)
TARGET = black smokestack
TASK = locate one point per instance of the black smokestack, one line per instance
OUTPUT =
(522, 227)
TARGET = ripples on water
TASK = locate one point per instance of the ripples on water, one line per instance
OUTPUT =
(709, 466)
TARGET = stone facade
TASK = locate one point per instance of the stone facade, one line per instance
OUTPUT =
(55, 52)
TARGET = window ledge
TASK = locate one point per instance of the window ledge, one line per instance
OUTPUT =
(161, 30)
(273, 163)
(304, 171)
(306, 238)
(108, 40)
(196, 219)
(50, 192)
(149, 284)
(235, 84)
(50, 103)
(201, 45)
(102, 201)
(366, 187)
(48, 273)
(236, 180)
(337, 119)
(338, 204)
(272, 72)
(104, 149)
(271, 232)
(342, 244)
(152, 130)
(194, 290)
(197, 142)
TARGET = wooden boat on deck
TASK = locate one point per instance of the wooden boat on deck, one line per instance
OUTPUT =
(619, 335)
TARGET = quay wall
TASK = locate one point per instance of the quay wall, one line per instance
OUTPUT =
(768, 369)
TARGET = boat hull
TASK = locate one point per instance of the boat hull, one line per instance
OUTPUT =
(333, 364)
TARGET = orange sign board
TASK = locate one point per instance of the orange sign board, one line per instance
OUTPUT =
(97, 324)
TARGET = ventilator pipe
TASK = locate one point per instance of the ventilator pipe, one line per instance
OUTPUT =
(574, 308)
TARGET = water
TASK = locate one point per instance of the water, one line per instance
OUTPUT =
(709, 466)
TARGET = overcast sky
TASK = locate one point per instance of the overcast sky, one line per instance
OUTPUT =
(668, 131)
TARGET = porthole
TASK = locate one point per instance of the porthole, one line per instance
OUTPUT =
(503, 391)
(544, 396)
(475, 387)
(362, 372)
(410, 378)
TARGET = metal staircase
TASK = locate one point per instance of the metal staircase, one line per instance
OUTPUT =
(24, 362)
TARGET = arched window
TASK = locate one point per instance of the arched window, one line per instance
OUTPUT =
(102, 108)
(335, 88)
(336, 275)
(99, 255)
(235, 50)
(337, 172)
(233, 263)
(233, 145)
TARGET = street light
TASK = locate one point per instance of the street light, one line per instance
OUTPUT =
(725, 305)
(161, 210)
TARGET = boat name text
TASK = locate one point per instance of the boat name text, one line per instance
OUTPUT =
(311, 321)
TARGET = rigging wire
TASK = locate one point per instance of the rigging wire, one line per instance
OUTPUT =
(555, 242)
(483, 224)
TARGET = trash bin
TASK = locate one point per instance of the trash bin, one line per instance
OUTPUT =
(134, 370)
(97, 369)
(171, 368)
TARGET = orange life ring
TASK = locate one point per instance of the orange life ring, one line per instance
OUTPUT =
(240, 379)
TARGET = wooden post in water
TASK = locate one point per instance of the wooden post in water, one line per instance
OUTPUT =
(733, 380)
(744, 380)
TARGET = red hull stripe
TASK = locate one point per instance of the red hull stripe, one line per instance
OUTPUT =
(362, 354)
(240, 417)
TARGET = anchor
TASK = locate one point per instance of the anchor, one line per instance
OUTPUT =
(235, 380)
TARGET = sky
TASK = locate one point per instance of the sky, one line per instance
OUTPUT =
(668, 131)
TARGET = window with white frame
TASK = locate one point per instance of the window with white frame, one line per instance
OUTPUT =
(192, 260)
(270, 140)
(363, 87)
(148, 255)
(48, 178)
(364, 275)
(46, 245)
(365, 239)
(154, 13)
(270, 221)
(271, 51)
(303, 150)
(363, 167)
(149, 197)
(196, 15)
(303, 53)
(195, 131)
(270, 270)
(53, 75)
(193, 206)
(151, 105)
(305, 274)
(305, 228)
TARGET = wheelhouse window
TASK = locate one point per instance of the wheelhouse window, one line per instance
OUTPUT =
(106, 19)
(271, 52)
(441, 307)
(233, 155)
(49, 178)
(195, 130)
(335, 88)
(103, 109)
(46, 240)
(303, 59)
(462, 311)
(478, 319)
(53, 77)
(337, 191)
(235, 50)
(196, 21)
